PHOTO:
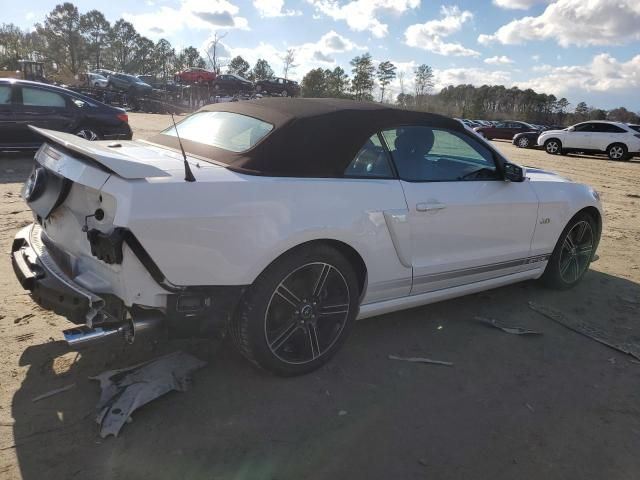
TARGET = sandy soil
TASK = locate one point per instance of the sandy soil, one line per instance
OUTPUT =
(553, 406)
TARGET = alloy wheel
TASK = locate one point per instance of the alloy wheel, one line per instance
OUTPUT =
(576, 252)
(552, 147)
(616, 152)
(88, 134)
(307, 313)
(523, 142)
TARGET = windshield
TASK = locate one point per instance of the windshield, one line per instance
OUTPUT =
(229, 131)
(635, 127)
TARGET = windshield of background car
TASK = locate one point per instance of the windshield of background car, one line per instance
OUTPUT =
(635, 127)
(229, 131)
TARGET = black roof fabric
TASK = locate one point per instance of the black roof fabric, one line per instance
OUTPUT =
(312, 137)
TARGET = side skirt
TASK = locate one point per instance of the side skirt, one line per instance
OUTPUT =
(387, 306)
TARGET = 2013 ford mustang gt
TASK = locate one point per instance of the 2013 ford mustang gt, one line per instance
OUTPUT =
(285, 220)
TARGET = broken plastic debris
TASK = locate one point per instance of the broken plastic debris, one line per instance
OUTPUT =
(127, 389)
(53, 392)
(513, 330)
(591, 331)
(420, 360)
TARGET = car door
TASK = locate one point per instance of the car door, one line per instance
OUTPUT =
(467, 224)
(7, 115)
(580, 137)
(41, 108)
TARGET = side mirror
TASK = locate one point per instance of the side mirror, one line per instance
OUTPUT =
(513, 173)
(571, 129)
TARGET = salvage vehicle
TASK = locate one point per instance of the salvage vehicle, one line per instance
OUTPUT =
(284, 220)
(279, 86)
(129, 83)
(24, 103)
(618, 140)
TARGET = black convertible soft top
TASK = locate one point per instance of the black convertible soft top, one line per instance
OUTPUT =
(312, 137)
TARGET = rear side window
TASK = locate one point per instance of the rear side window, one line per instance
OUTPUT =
(226, 130)
(370, 161)
(5, 94)
(42, 98)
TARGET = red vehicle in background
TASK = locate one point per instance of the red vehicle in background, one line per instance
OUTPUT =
(195, 75)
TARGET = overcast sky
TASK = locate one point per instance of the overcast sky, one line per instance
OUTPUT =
(581, 49)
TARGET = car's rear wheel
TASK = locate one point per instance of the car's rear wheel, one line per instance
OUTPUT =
(259, 88)
(284, 93)
(553, 146)
(573, 253)
(523, 142)
(88, 133)
(298, 312)
(617, 151)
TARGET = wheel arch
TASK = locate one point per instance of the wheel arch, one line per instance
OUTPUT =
(616, 143)
(348, 251)
(594, 213)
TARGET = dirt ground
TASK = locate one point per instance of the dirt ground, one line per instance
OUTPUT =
(554, 406)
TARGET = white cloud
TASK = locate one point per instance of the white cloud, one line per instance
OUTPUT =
(362, 15)
(575, 22)
(191, 14)
(518, 4)
(498, 60)
(274, 8)
(429, 35)
(604, 74)
(307, 55)
(535, 58)
(472, 76)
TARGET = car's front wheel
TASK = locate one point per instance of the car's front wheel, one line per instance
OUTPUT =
(298, 312)
(617, 151)
(573, 253)
(553, 146)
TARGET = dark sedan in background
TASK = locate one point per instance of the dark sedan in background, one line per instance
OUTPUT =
(130, 84)
(505, 130)
(530, 139)
(278, 85)
(231, 83)
(24, 103)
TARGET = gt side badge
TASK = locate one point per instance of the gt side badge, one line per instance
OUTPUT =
(544, 221)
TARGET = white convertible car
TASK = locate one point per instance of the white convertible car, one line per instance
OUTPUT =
(285, 220)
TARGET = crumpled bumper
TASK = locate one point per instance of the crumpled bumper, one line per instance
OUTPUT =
(50, 287)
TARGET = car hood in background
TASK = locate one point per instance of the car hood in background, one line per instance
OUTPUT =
(539, 175)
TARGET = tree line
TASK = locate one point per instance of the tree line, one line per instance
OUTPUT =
(70, 42)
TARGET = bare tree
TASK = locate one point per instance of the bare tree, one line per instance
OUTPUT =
(213, 51)
(288, 60)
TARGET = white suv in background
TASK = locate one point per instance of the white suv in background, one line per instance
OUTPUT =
(618, 140)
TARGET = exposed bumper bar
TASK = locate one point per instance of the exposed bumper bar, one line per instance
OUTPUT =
(50, 287)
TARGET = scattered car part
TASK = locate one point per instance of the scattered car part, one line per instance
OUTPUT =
(127, 389)
(420, 360)
(591, 331)
(53, 392)
(492, 322)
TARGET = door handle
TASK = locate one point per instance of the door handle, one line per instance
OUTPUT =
(430, 207)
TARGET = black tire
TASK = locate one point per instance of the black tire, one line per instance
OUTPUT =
(523, 142)
(284, 93)
(553, 146)
(282, 291)
(617, 151)
(571, 256)
(258, 88)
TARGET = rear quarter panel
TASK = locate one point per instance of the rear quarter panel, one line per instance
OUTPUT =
(227, 228)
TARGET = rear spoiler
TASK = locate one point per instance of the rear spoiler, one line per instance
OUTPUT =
(122, 165)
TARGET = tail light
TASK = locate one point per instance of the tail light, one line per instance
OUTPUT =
(123, 117)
